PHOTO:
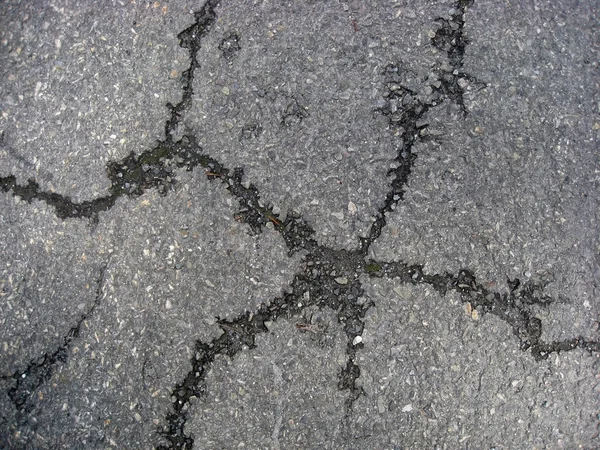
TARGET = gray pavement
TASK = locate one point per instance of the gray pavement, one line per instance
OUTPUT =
(313, 225)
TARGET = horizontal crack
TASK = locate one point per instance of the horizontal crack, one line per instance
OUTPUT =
(514, 307)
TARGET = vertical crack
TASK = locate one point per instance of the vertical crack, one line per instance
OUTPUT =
(238, 334)
(39, 370)
(191, 39)
(405, 111)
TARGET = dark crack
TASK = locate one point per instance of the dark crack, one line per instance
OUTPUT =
(190, 39)
(39, 370)
(237, 334)
(406, 112)
(154, 168)
(515, 307)
(326, 268)
(294, 113)
(450, 38)
(131, 177)
(329, 278)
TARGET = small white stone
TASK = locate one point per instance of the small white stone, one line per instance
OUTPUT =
(168, 304)
(357, 340)
(407, 408)
(352, 209)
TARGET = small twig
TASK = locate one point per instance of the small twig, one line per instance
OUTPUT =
(273, 219)
(306, 327)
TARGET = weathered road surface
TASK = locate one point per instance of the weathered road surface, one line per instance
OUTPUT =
(319, 224)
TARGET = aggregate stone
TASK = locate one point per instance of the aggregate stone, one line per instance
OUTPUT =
(125, 347)
(135, 347)
(43, 262)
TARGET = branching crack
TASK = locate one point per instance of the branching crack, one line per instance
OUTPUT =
(329, 278)
(515, 307)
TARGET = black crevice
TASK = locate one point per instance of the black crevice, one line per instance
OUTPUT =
(238, 334)
(190, 38)
(38, 371)
(404, 113)
(450, 39)
(153, 168)
(294, 113)
(514, 307)
(131, 177)
(328, 279)
(406, 110)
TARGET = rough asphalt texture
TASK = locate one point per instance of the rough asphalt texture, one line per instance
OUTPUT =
(318, 224)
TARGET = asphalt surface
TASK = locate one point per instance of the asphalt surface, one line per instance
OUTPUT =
(312, 225)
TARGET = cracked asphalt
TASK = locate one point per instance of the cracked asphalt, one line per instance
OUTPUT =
(324, 225)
